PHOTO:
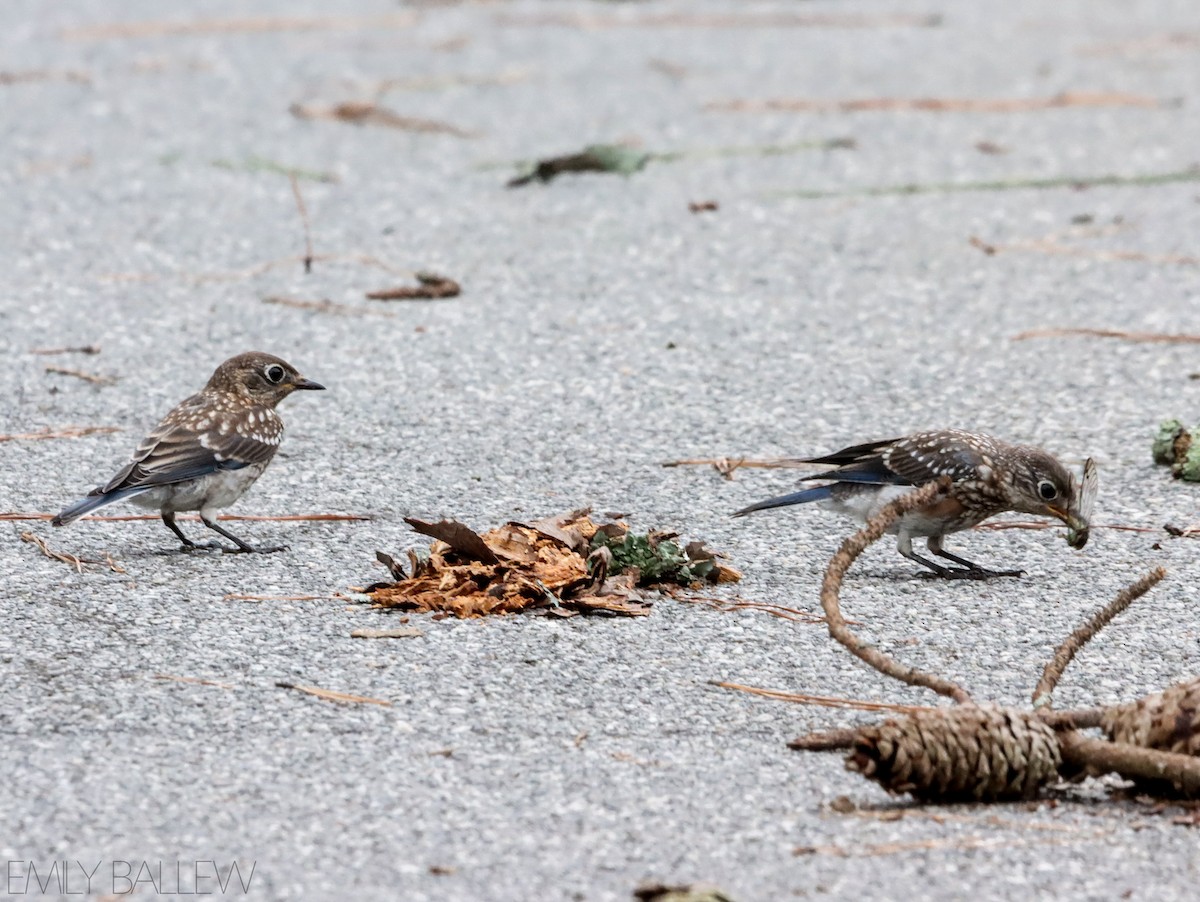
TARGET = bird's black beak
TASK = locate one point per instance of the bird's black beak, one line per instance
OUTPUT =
(307, 385)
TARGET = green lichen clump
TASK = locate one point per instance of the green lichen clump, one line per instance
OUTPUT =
(657, 559)
(1173, 447)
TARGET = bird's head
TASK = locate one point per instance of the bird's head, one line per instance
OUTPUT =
(260, 378)
(1042, 486)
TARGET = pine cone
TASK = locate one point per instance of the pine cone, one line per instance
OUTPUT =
(1167, 720)
(970, 752)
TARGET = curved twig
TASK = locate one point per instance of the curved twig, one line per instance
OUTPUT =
(1132, 761)
(828, 741)
(831, 587)
(1076, 719)
(1043, 693)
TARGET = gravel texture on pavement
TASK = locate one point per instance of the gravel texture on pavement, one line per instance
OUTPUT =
(602, 329)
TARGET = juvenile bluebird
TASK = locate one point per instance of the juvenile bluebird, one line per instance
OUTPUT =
(207, 451)
(988, 477)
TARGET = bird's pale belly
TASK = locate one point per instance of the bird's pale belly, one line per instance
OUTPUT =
(212, 492)
(938, 519)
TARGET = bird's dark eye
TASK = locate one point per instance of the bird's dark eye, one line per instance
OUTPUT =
(275, 374)
(1047, 490)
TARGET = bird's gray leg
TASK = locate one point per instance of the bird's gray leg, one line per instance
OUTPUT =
(973, 570)
(242, 547)
(904, 546)
(168, 517)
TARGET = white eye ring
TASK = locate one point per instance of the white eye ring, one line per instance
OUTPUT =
(274, 373)
(1047, 490)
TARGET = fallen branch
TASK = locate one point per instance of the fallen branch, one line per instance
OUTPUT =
(727, 466)
(327, 306)
(1053, 248)
(431, 286)
(1036, 525)
(330, 695)
(248, 25)
(82, 349)
(1044, 691)
(236, 597)
(24, 76)
(60, 432)
(1141, 337)
(303, 211)
(822, 701)
(80, 374)
(826, 741)
(726, 605)
(941, 105)
(719, 20)
(831, 586)
(358, 112)
(122, 518)
(261, 164)
(258, 269)
(1132, 761)
(194, 680)
(67, 558)
(1077, 183)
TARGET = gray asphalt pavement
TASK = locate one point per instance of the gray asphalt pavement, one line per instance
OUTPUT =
(602, 329)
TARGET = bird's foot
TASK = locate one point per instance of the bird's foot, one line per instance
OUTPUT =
(243, 548)
(970, 573)
(193, 547)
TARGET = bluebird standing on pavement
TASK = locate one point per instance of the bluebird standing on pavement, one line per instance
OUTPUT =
(207, 451)
(988, 477)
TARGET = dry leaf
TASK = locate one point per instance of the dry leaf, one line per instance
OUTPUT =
(551, 565)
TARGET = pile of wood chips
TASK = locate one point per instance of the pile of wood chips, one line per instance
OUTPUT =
(557, 566)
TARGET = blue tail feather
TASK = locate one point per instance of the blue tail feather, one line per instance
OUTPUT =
(91, 502)
(819, 493)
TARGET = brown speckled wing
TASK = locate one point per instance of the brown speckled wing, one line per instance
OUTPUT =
(200, 437)
(926, 456)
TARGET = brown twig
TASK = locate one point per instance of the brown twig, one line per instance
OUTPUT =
(1076, 719)
(431, 286)
(1043, 693)
(60, 432)
(719, 20)
(327, 306)
(197, 681)
(82, 349)
(331, 695)
(359, 112)
(80, 374)
(248, 25)
(236, 597)
(825, 741)
(832, 584)
(1046, 246)
(940, 104)
(727, 466)
(1157, 337)
(1050, 524)
(1152, 44)
(303, 211)
(258, 269)
(121, 518)
(67, 558)
(822, 701)
(27, 75)
(725, 605)
(1132, 761)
